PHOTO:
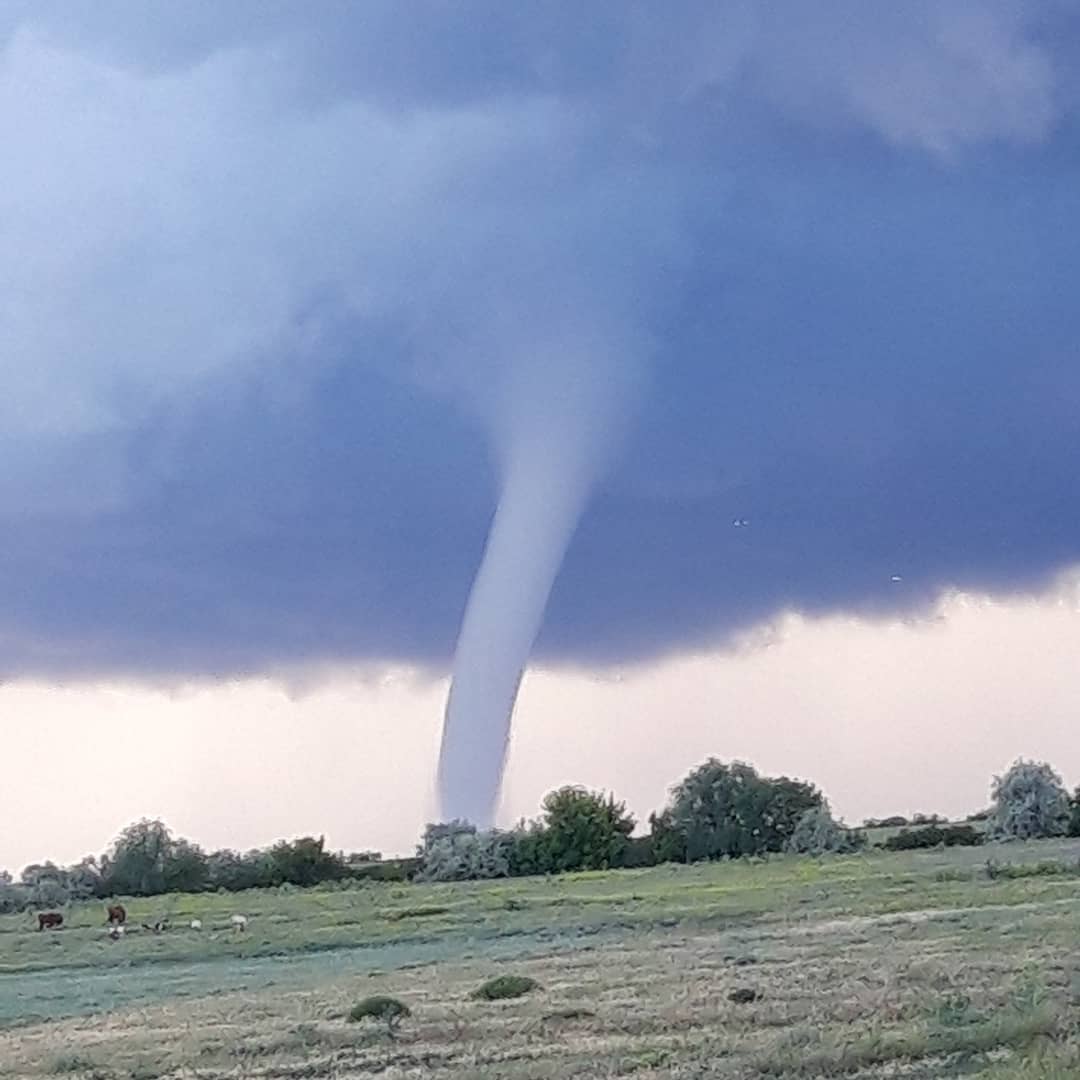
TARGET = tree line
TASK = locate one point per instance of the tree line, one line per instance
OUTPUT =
(720, 810)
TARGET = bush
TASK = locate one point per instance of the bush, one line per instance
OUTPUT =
(380, 1007)
(13, 898)
(723, 810)
(932, 836)
(464, 855)
(584, 830)
(819, 833)
(897, 821)
(505, 986)
(305, 862)
(399, 870)
(1074, 814)
(639, 853)
(1029, 803)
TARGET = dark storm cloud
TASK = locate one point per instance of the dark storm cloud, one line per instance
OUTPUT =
(264, 277)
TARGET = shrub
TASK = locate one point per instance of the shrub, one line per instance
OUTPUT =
(1029, 802)
(727, 810)
(897, 821)
(464, 854)
(932, 836)
(505, 986)
(380, 1007)
(305, 861)
(819, 833)
(1074, 814)
(584, 830)
(570, 1012)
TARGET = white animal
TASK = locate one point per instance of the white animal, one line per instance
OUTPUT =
(196, 924)
(239, 922)
(116, 932)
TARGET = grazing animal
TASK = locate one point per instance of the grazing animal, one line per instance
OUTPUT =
(196, 924)
(116, 931)
(117, 914)
(239, 922)
(50, 920)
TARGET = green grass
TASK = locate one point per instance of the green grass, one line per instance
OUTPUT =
(916, 964)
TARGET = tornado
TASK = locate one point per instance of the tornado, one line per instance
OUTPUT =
(555, 446)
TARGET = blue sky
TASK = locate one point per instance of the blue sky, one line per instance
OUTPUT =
(267, 278)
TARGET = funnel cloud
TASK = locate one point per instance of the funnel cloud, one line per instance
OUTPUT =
(292, 306)
(556, 436)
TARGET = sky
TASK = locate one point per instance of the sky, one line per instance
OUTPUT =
(279, 296)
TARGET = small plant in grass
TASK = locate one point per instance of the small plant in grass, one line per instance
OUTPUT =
(955, 1010)
(571, 1012)
(380, 1007)
(505, 986)
(64, 1064)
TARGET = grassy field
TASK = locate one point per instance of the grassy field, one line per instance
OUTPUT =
(923, 964)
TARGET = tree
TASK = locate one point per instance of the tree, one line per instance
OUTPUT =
(185, 868)
(85, 879)
(819, 833)
(1029, 802)
(584, 830)
(234, 872)
(1074, 815)
(13, 897)
(666, 839)
(46, 885)
(305, 862)
(787, 803)
(136, 863)
(729, 810)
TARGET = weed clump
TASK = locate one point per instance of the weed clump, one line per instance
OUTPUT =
(570, 1013)
(424, 911)
(505, 986)
(380, 1007)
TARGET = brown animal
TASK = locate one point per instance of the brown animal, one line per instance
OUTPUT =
(117, 914)
(50, 920)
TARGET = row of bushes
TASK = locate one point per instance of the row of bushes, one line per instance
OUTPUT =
(719, 810)
(728, 811)
(146, 860)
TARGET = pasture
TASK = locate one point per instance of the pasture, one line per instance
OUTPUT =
(915, 965)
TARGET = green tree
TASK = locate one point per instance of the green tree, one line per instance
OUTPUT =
(785, 805)
(1074, 814)
(136, 863)
(85, 879)
(185, 868)
(584, 830)
(667, 840)
(233, 871)
(46, 885)
(1029, 802)
(305, 861)
(729, 810)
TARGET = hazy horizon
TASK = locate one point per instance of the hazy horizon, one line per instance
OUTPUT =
(886, 717)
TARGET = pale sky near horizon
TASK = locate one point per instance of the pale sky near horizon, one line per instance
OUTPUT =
(887, 717)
